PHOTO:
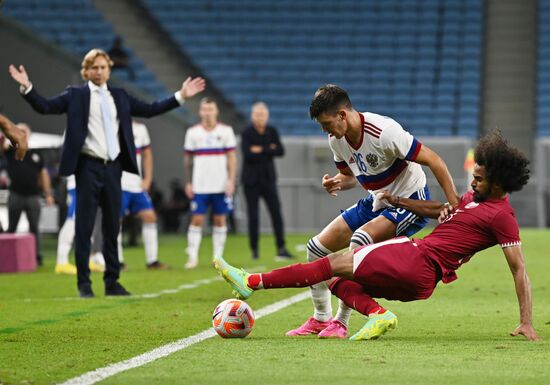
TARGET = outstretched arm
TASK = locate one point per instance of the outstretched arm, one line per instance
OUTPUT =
(427, 209)
(15, 135)
(429, 158)
(516, 262)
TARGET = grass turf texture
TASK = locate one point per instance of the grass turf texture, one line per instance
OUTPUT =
(459, 336)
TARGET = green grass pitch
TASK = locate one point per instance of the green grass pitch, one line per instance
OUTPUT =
(459, 336)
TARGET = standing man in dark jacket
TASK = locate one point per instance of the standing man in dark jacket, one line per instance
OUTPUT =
(29, 178)
(98, 145)
(259, 144)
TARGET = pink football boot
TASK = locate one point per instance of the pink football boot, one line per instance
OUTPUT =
(311, 326)
(335, 329)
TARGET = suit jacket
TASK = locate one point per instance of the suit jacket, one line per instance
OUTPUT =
(75, 102)
(259, 168)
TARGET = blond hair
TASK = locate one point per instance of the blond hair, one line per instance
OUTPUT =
(89, 59)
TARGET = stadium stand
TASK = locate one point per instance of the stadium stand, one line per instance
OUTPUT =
(543, 113)
(77, 26)
(418, 61)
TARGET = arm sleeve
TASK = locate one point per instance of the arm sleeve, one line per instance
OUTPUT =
(506, 229)
(147, 110)
(189, 145)
(279, 150)
(230, 140)
(55, 105)
(246, 143)
(399, 143)
(339, 161)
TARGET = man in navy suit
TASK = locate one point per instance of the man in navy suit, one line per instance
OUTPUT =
(98, 145)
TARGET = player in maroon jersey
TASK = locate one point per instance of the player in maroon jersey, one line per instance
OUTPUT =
(408, 270)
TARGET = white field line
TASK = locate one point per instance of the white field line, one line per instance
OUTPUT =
(185, 286)
(100, 374)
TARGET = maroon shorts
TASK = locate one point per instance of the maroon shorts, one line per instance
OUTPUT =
(395, 270)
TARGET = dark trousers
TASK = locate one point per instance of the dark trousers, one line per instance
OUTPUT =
(97, 185)
(271, 198)
(31, 206)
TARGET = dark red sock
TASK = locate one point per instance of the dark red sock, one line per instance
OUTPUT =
(353, 294)
(298, 275)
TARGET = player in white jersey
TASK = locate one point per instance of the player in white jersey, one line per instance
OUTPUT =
(210, 169)
(376, 151)
(65, 238)
(136, 200)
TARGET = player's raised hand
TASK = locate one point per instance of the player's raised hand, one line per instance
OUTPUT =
(526, 330)
(191, 87)
(19, 75)
(331, 184)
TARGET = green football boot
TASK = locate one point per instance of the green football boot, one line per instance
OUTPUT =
(235, 277)
(377, 325)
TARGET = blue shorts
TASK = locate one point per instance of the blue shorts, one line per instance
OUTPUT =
(132, 203)
(71, 203)
(219, 202)
(407, 222)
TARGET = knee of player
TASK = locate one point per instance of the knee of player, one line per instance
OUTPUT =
(315, 249)
(360, 238)
(342, 263)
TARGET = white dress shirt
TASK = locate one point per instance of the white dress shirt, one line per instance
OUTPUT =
(95, 144)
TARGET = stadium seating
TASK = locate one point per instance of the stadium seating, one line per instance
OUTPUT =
(418, 61)
(544, 68)
(77, 26)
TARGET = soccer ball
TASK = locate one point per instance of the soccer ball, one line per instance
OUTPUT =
(233, 318)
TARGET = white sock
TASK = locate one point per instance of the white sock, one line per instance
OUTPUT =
(194, 237)
(219, 235)
(150, 241)
(359, 238)
(119, 246)
(320, 294)
(97, 258)
(65, 241)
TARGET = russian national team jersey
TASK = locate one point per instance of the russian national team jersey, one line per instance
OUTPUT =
(209, 149)
(384, 159)
(132, 182)
(470, 228)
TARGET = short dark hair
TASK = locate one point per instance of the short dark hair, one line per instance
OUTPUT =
(328, 99)
(207, 100)
(504, 164)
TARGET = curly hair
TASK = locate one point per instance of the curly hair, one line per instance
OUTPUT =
(328, 98)
(504, 164)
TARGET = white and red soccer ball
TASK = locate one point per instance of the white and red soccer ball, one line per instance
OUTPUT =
(233, 318)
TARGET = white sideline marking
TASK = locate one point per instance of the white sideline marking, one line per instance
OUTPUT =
(100, 374)
(185, 286)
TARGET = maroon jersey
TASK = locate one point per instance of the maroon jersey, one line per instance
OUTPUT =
(470, 228)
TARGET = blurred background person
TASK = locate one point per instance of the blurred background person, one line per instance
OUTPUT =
(260, 143)
(136, 200)
(210, 166)
(121, 59)
(28, 179)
